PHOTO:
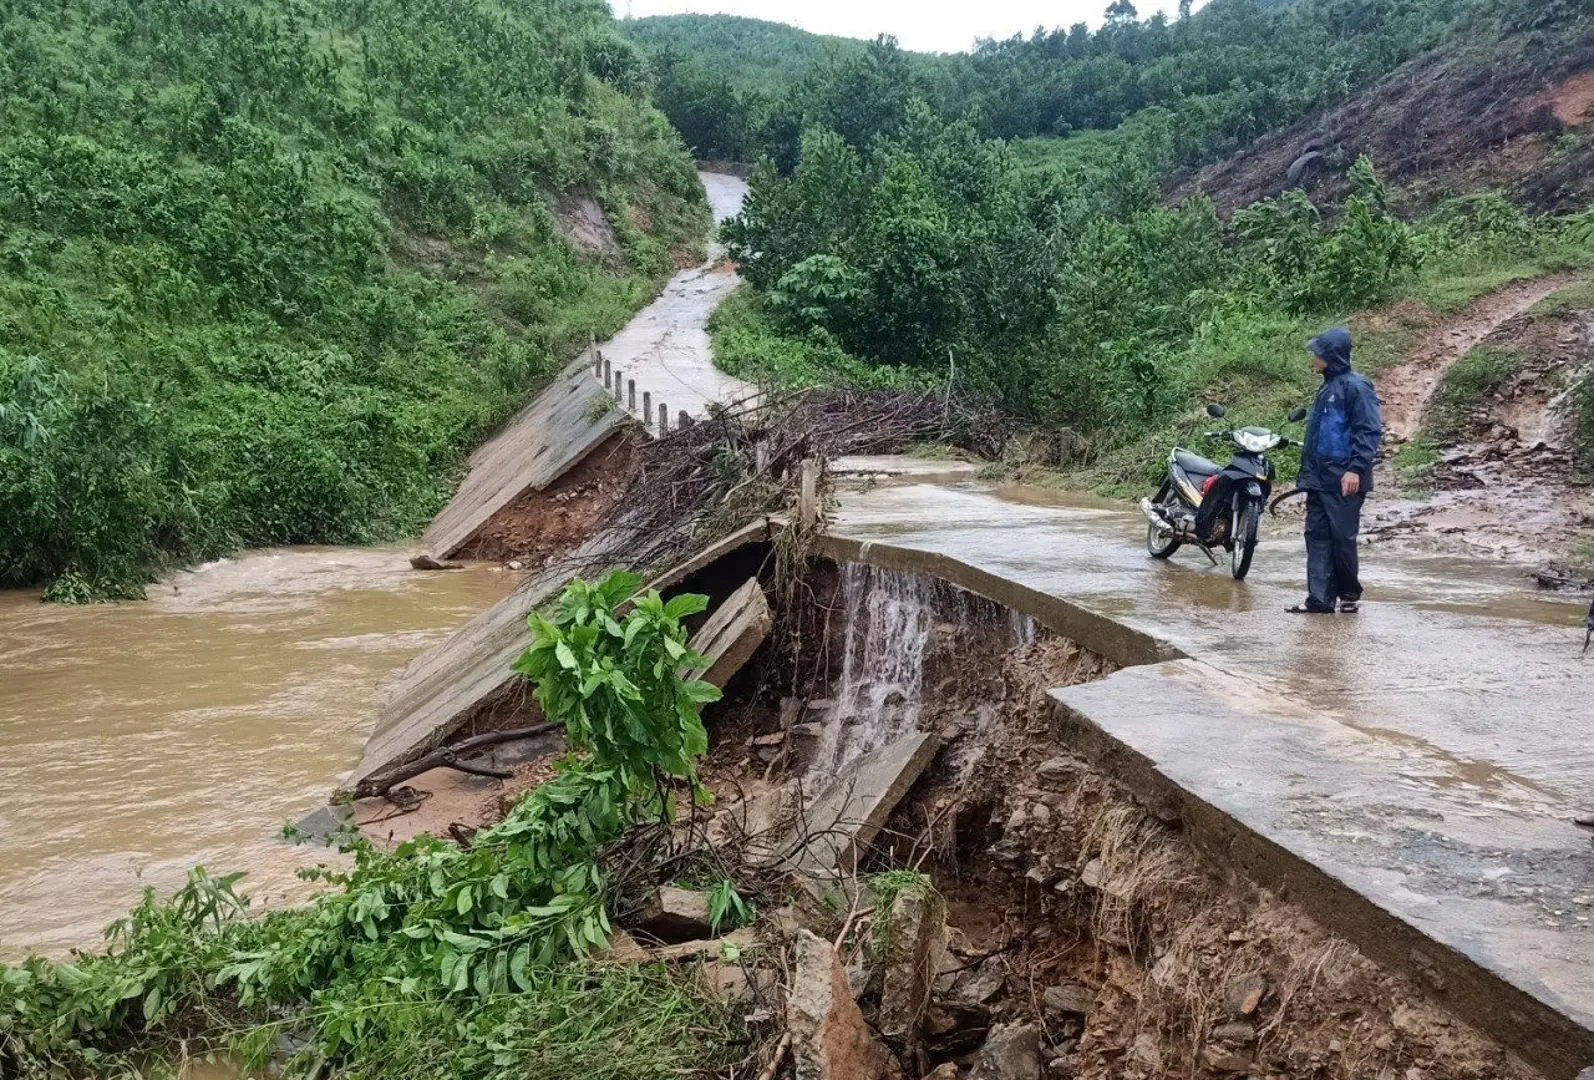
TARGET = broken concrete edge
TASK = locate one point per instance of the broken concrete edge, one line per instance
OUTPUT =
(841, 821)
(1548, 1040)
(1106, 637)
(733, 633)
(435, 552)
(533, 594)
(764, 530)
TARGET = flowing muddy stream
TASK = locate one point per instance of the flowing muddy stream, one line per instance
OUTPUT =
(137, 740)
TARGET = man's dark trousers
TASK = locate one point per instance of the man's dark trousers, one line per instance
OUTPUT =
(1332, 570)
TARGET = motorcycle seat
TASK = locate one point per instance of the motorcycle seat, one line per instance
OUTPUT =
(1195, 464)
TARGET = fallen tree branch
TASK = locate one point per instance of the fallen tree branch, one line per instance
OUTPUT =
(448, 757)
(780, 1054)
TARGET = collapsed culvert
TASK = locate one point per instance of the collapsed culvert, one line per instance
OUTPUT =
(943, 889)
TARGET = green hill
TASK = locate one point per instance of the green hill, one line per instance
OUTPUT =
(751, 54)
(268, 271)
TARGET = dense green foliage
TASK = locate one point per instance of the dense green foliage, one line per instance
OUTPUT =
(895, 246)
(1211, 81)
(432, 959)
(268, 271)
(936, 245)
(753, 54)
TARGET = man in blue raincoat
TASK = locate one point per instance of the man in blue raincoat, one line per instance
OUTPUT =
(1342, 434)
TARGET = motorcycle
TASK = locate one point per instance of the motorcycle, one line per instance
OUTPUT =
(1214, 506)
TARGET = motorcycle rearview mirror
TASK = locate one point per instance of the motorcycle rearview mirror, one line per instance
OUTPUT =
(1216, 411)
(1297, 415)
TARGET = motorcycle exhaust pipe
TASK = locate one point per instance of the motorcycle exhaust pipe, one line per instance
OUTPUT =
(1154, 517)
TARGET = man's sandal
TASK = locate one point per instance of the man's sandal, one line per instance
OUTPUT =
(1300, 609)
(1350, 607)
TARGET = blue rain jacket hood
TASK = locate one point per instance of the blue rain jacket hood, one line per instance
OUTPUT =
(1344, 427)
(1333, 346)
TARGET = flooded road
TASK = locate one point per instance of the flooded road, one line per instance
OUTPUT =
(137, 740)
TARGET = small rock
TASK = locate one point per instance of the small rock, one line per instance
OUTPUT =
(1040, 813)
(1058, 768)
(1386, 1040)
(1011, 1052)
(1415, 1073)
(1335, 1046)
(1017, 820)
(915, 950)
(945, 1071)
(1070, 999)
(1235, 1034)
(1061, 1068)
(675, 915)
(1092, 873)
(1148, 1051)
(516, 565)
(979, 985)
(830, 1040)
(1226, 1059)
(1238, 937)
(1244, 995)
(775, 738)
(624, 947)
(733, 985)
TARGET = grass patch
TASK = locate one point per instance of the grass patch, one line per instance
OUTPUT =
(1414, 464)
(1481, 372)
(748, 345)
(1579, 297)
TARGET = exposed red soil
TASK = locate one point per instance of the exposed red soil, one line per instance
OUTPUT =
(541, 526)
(1466, 117)
(1572, 101)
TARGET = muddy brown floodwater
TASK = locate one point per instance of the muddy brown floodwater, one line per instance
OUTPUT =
(137, 740)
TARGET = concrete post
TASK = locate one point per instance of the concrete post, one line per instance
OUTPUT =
(808, 493)
(664, 419)
(597, 361)
(608, 373)
(647, 408)
(630, 394)
(619, 377)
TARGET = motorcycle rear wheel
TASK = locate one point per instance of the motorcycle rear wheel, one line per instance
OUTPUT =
(1160, 543)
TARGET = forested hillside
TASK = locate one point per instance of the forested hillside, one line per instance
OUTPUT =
(268, 271)
(752, 54)
(1228, 73)
(897, 239)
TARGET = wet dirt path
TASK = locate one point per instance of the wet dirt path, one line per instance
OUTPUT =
(1504, 490)
(1405, 390)
(137, 740)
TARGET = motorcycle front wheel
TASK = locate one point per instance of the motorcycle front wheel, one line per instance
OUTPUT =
(1247, 517)
(1160, 542)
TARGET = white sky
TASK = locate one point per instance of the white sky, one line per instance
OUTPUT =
(922, 25)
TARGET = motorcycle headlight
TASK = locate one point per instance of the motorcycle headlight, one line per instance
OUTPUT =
(1256, 440)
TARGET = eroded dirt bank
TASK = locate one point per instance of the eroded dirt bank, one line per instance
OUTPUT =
(997, 907)
(1078, 923)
